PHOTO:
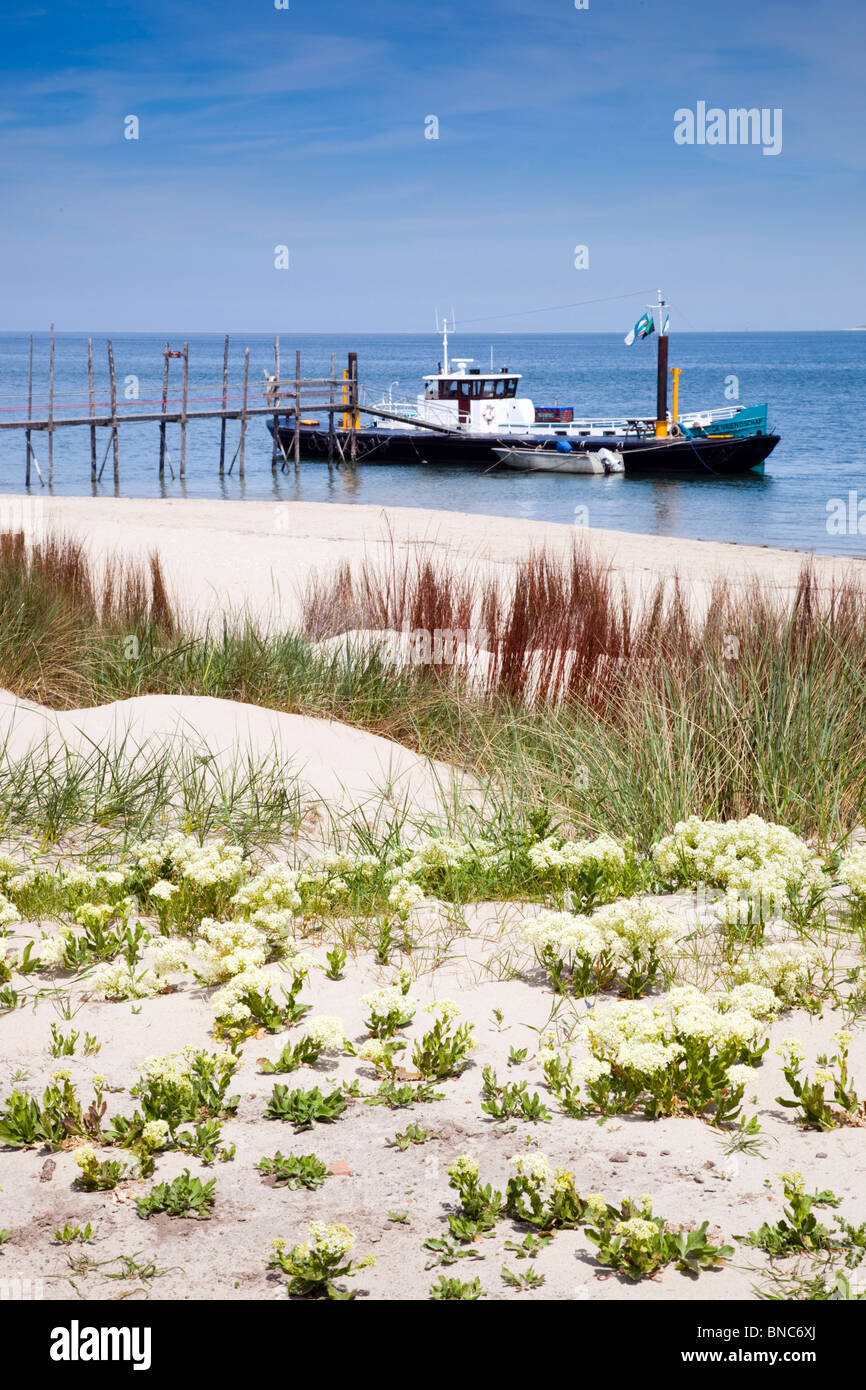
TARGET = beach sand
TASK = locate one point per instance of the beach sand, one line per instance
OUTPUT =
(256, 556)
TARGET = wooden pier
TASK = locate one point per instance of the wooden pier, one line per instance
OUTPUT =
(294, 396)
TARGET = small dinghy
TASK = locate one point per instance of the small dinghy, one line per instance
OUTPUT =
(561, 459)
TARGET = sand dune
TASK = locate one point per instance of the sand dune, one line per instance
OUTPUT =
(334, 763)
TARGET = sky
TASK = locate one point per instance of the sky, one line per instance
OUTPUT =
(307, 128)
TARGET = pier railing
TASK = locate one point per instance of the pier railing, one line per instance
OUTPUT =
(295, 396)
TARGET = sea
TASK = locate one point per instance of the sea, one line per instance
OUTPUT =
(811, 497)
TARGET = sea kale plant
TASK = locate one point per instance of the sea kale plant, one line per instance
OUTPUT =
(315, 1264)
(827, 1099)
(799, 1231)
(444, 1050)
(694, 1055)
(630, 1239)
(628, 942)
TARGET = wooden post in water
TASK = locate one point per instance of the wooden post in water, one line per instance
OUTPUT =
(330, 412)
(165, 353)
(51, 410)
(353, 404)
(276, 403)
(183, 410)
(90, 409)
(27, 444)
(114, 437)
(296, 443)
(223, 420)
(244, 413)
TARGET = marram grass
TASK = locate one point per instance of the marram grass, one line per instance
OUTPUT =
(643, 714)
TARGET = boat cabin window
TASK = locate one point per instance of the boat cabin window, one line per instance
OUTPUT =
(474, 387)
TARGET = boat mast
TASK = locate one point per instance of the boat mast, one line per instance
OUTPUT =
(445, 344)
(662, 376)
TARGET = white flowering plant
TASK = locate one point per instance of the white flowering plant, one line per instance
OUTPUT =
(630, 940)
(762, 870)
(533, 859)
(788, 968)
(542, 1197)
(694, 1055)
(852, 873)
(381, 1053)
(95, 1174)
(827, 1099)
(315, 1264)
(55, 890)
(388, 1009)
(205, 876)
(248, 1002)
(799, 1229)
(179, 1088)
(639, 1244)
(107, 931)
(444, 1050)
(25, 1122)
(324, 1033)
(480, 1207)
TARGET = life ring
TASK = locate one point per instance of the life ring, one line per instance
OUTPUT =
(489, 413)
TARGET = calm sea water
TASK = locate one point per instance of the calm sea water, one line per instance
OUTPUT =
(815, 384)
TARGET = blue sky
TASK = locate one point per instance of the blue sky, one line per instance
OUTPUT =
(305, 127)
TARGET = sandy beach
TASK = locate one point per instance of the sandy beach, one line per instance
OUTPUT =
(465, 950)
(256, 556)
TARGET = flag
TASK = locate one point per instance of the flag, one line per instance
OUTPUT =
(666, 322)
(642, 329)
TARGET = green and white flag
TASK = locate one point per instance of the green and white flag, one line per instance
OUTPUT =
(642, 329)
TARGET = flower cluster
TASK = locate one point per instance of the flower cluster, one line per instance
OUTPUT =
(117, 979)
(225, 949)
(315, 1263)
(388, 1009)
(852, 870)
(786, 968)
(8, 913)
(695, 1052)
(630, 938)
(757, 864)
(728, 854)
(573, 857)
(327, 1032)
(534, 1167)
(177, 857)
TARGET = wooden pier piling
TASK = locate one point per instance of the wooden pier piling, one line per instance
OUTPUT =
(51, 410)
(115, 443)
(165, 360)
(353, 406)
(27, 445)
(225, 396)
(242, 445)
(296, 442)
(91, 407)
(276, 439)
(343, 442)
(185, 391)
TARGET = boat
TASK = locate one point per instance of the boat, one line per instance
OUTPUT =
(561, 458)
(466, 416)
